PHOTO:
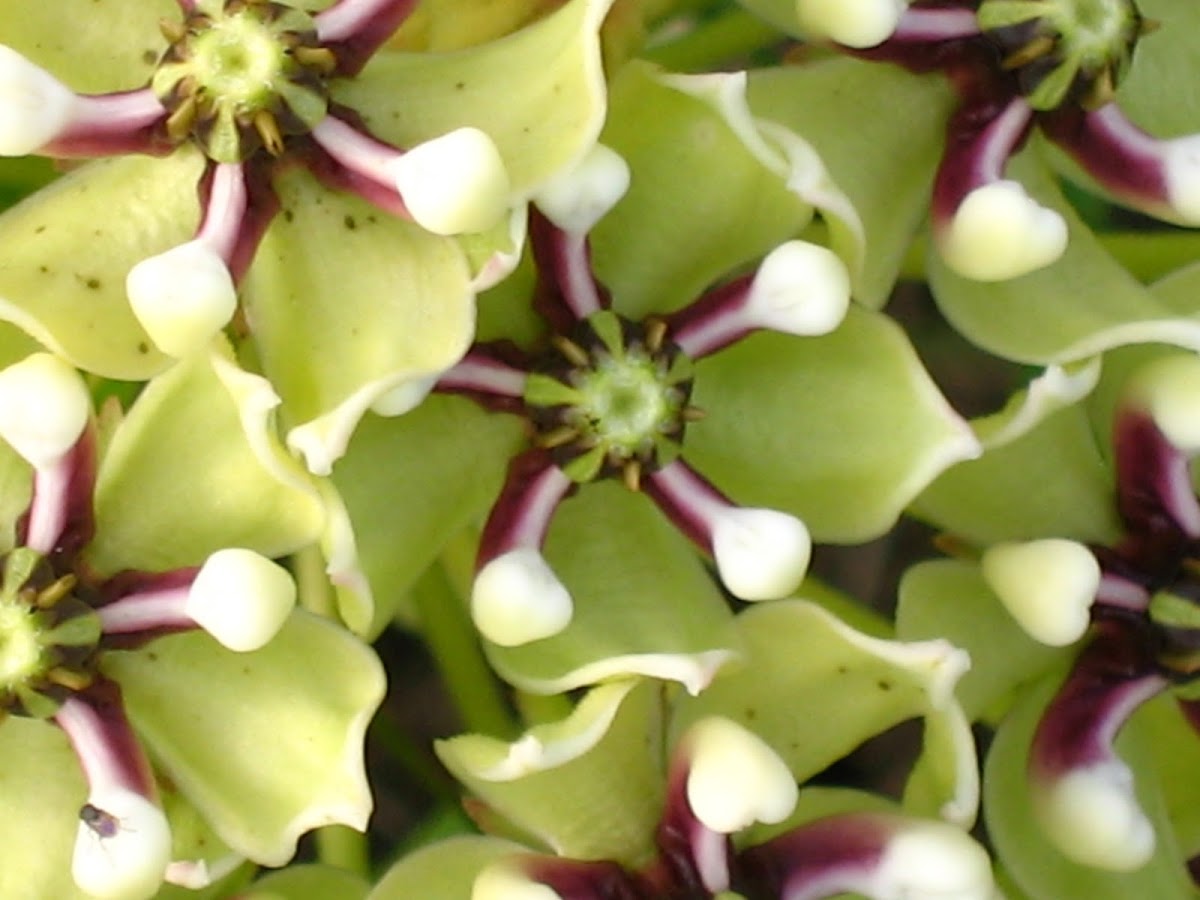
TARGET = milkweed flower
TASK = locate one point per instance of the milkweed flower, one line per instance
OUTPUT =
(645, 792)
(312, 149)
(141, 617)
(1105, 585)
(598, 407)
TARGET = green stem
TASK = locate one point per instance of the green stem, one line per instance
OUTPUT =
(452, 640)
(344, 848)
(313, 589)
(727, 38)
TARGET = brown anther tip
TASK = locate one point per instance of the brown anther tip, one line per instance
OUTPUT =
(693, 414)
(1149, 26)
(71, 679)
(571, 351)
(953, 545)
(320, 58)
(1035, 49)
(656, 332)
(268, 130)
(564, 434)
(179, 123)
(172, 30)
(1102, 91)
(631, 474)
(52, 593)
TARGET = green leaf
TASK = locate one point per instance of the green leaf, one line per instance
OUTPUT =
(589, 786)
(841, 430)
(195, 467)
(644, 603)
(268, 744)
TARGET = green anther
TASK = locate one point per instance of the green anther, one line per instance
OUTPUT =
(1174, 611)
(1064, 50)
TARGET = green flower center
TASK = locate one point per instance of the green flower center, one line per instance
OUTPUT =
(48, 637)
(241, 75)
(612, 399)
(1064, 51)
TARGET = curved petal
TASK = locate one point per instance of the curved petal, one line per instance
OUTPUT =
(310, 882)
(110, 48)
(195, 467)
(445, 870)
(441, 465)
(1075, 308)
(589, 786)
(643, 603)
(539, 93)
(841, 430)
(1043, 475)
(1164, 57)
(1039, 869)
(347, 303)
(65, 284)
(701, 202)
(16, 476)
(267, 745)
(800, 667)
(43, 789)
(851, 110)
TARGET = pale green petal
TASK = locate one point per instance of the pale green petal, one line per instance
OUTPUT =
(1035, 864)
(539, 94)
(701, 202)
(441, 25)
(347, 303)
(43, 789)
(311, 882)
(16, 476)
(644, 604)
(1161, 93)
(91, 45)
(195, 467)
(853, 112)
(841, 430)
(589, 786)
(803, 666)
(442, 871)
(1050, 481)
(412, 482)
(1075, 308)
(64, 282)
(267, 745)
(949, 599)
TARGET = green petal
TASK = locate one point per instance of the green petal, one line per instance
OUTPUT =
(1035, 864)
(587, 787)
(949, 599)
(1176, 751)
(852, 112)
(442, 871)
(195, 467)
(267, 745)
(539, 94)
(65, 283)
(92, 47)
(1075, 308)
(703, 199)
(644, 603)
(311, 882)
(841, 430)
(801, 665)
(43, 789)
(16, 476)
(1160, 92)
(347, 303)
(412, 482)
(1043, 474)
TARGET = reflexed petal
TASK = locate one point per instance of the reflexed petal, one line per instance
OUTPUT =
(888, 181)
(589, 786)
(445, 870)
(194, 468)
(800, 663)
(539, 94)
(643, 601)
(65, 285)
(849, 431)
(115, 50)
(311, 882)
(377, 301)
(1072, 309)
(266, 744)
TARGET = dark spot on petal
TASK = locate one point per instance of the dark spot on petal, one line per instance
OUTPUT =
(459, 85)
(884, 685)
(152, 656)
(751, 713)
(288, 215)
(245, 670)
(842, 670)
(39, 229)
(149, 57)
(372, 219)
(349, 222)
(143, 348)
(45, 270)
(93, 284)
